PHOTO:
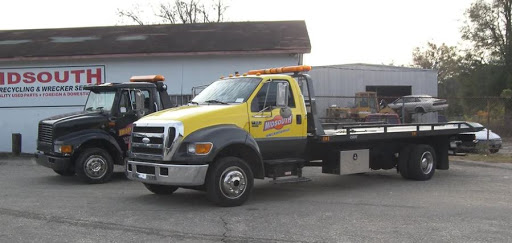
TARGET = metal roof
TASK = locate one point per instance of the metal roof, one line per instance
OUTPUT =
(165, 39)
(373, 67)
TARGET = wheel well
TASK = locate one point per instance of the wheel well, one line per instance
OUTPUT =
(419, 109)
(103, 144)
(246, 153)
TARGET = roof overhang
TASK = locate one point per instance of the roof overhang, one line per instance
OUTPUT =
(171, 54)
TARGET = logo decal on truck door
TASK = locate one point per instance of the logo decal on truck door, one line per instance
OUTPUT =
(277, 123)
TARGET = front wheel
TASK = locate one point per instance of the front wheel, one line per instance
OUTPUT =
(94, 165)
(161, 189)
(229, 182)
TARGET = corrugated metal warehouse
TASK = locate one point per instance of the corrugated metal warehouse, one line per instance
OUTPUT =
(42, 72)
(337, 84)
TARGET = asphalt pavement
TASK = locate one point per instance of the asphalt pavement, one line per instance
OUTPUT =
(471, 202)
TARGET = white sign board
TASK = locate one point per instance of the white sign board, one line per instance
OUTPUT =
(47, 86)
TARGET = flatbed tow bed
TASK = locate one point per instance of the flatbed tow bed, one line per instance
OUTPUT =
(368, 132)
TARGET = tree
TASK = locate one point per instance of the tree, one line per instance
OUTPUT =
(458, 74)
(488, 27)
(180, 12)
(133, 14)
(445, 59)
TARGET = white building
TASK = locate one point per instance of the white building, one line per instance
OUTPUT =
(42, 71)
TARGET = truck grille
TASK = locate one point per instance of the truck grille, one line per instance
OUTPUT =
(148, 142)
(45, 133)
(156, 141)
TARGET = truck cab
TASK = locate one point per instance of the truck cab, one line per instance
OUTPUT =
(88, 143)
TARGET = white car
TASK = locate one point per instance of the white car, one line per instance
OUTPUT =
(481, 143)
(419, 104)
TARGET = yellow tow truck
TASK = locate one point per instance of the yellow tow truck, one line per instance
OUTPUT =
(264, 124)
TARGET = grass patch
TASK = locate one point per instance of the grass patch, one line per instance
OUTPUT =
(492, 158)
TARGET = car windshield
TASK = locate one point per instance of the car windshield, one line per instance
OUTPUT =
(100, 100)
(233, 90)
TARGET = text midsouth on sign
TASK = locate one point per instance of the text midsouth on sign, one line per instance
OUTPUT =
(47, 86)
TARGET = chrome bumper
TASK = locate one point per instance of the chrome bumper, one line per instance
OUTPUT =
(165, 174)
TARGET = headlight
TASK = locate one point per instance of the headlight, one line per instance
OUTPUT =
(202, 148)
(63, 149)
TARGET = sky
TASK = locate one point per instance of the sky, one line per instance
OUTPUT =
(341, 31)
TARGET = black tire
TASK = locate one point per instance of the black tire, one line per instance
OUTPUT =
(161, 189)
(493, 151)
(94, 166)
(65, 172)
(218, 187)
(422, 163)
(403, 161)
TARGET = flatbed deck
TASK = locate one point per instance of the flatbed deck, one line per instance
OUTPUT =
(367, 132)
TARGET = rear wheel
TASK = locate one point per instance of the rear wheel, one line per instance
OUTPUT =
(94, 165)
(161, 189)
(229, 182)
(65, 172)
(422, 163)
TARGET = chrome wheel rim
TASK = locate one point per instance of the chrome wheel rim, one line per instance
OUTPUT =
(95, 166)
(427, 162)
(233, 182)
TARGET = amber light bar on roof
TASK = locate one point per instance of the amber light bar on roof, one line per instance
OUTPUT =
(147, 78)
(290, 69)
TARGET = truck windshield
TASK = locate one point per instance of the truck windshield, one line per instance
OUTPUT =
(233, 90)
(100, 100)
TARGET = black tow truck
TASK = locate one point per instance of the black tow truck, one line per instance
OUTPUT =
(88, 143)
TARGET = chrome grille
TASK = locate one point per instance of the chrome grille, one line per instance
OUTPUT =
(148, 142)
(155, 140)
(45, 133)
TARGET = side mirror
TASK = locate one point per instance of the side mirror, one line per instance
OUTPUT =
(139, 103)
(282, 94)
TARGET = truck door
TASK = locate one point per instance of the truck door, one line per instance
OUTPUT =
(279, 135)
(126, 114)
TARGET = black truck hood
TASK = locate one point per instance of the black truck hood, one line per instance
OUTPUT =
(72, 122)
(73, 116)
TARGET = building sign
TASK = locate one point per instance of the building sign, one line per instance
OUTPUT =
(47, 86)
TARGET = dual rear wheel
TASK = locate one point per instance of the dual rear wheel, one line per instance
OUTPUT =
(417, 162)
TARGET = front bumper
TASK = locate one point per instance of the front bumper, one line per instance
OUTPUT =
(166, 174)
(481, 145)
(54, 162)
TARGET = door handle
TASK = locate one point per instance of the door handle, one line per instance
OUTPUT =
(261, 116)
(298, 118)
